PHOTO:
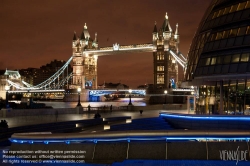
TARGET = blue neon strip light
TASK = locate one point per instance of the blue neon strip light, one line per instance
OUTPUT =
(132, 139)
(243, 118)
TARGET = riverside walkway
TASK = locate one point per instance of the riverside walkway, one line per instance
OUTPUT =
(51, 117)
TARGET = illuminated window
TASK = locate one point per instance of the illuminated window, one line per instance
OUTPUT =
(213, 37)
(202, 62)
(207, 61)
(160, 68)
(233, 8)
(220, 13)
(160, 56)
(241, 6)
(242, 31)
(215, 15)
(160, 78)
(236, 58)
(159, 42)
(227, 10)
(244, 57)
(213, 61)
(248, 30)
(225, 34)
(233, 32)
(248, 4)
(219, 35)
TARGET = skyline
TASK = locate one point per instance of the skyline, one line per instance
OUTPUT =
(35, 33)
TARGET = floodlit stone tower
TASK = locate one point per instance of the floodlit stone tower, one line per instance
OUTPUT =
(165, 65)
(84, 65)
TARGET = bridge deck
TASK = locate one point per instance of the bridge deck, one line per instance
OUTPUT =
(116, 49)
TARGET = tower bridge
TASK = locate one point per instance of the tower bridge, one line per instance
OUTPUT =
(165, 48)
(85, 53)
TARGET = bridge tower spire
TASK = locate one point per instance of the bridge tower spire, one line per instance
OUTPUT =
(155, 37)
(165, 66)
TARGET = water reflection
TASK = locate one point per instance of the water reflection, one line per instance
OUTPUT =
(117, 103)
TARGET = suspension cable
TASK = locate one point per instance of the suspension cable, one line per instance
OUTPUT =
(182, 63)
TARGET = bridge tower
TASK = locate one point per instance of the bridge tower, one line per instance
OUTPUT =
(84, 65)
(165, 65)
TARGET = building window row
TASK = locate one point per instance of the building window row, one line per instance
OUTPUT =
(230, 33)
(160, 68)
(160, 56)
(223, 69)
(160, 42)
(236, 95)
(227, 43)
(231, 9)
(231, 17)
(200, 43)
(225, 59)
(160, 78)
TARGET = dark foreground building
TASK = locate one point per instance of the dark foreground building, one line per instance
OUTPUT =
(218, 59)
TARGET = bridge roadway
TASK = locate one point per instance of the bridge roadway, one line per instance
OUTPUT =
(92, 91)
(120, 49)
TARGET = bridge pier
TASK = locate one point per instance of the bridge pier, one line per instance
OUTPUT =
(72, 95)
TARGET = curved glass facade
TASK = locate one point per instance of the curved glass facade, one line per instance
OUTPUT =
(219, 56)
(221, 43)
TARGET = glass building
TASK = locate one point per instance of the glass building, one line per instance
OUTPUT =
(218, 59)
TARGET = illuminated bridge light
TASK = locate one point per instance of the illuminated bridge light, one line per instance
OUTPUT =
(109, 91)
(183, 90)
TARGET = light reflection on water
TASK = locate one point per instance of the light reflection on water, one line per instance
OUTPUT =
(117, 103)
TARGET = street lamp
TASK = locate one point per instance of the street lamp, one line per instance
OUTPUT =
(130, 91)
(165, 92)
(79, 91)
(7, 88)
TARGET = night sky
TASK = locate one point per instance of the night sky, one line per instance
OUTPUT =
(33, 33)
